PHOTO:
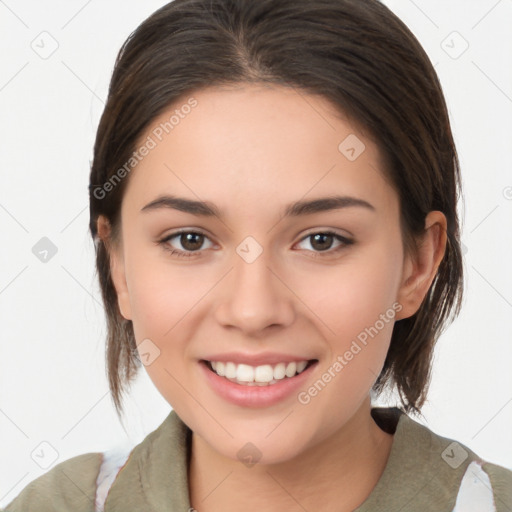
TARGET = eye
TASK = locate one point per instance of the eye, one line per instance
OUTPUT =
(191, 241)
(322, 241)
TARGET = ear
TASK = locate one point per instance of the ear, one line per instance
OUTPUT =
(420, 269)
(117, 269)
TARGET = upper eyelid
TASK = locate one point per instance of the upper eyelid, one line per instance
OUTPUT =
(183, 231)
(336, 232)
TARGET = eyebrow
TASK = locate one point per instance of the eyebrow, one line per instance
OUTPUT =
(296, 209)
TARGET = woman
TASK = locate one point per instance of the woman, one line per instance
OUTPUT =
(273, 198)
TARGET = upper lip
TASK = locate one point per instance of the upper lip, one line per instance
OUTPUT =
(256, 359)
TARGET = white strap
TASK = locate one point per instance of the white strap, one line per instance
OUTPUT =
(113, 460)
(475, 491)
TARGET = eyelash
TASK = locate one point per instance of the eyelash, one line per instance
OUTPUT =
(188, 254)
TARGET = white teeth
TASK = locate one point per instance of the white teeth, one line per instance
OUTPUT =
(245, 373)
(301, 366)
(219, 368)
(279, 371)
(230, 370)
(291, 369)
(254, 375)
(263, 373)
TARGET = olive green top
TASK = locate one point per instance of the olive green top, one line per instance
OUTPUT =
(423, 473)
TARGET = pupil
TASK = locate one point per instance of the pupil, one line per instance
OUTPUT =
(322, 236)
(187, 240)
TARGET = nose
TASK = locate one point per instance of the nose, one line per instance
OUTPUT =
(254, 297)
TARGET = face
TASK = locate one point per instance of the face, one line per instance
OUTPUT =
(256, 280)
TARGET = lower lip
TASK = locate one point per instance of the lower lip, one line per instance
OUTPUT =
(256, 396)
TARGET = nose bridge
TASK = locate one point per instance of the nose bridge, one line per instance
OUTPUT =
(255, 298)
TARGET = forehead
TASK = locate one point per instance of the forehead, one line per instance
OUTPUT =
(251, 146)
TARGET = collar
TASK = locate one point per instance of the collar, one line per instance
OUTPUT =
(155, 476)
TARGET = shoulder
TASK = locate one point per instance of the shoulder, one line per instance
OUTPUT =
(500, 479)
(435, 472)
(479, 485)
(70, 485)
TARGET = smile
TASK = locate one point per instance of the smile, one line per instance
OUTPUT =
(262, 375)
(248, 392)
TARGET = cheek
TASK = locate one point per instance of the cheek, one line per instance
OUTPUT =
(351, 296)
(162, 300)
(345, 297)
(161, 292)
(355, 306)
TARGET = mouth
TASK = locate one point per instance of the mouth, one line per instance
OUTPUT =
(240, 384)
(262, 375)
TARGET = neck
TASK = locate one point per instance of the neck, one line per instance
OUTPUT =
(337, 474)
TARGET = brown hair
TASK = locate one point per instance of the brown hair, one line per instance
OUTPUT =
(355, 53)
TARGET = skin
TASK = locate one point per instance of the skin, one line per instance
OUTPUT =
(251, 150)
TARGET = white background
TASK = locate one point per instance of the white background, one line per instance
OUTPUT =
(53, 388)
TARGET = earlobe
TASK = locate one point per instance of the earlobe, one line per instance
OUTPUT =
(117, 268)
(420, 269)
